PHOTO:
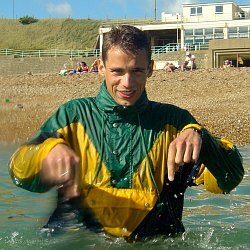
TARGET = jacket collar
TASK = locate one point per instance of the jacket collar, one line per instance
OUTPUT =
(107, 104)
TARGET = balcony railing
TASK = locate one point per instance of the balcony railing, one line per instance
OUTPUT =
(156, 50)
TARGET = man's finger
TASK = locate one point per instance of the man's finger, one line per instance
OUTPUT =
(188, 155)
(171, 162)
(196, 151)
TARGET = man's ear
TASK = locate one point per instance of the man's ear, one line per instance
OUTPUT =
(101, 67)
(150, 68)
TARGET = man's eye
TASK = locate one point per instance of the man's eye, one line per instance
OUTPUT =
(138, 71)
(116, 71)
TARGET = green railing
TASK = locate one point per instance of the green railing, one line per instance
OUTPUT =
(177, 47)
(49, 53)
(156, 50)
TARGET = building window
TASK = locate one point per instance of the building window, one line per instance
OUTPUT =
(209, 34)
(244, 32)
(218, 30)
(193, 12)
(218, 33)
(219, 9)
(199, 10)
(233, 32)
(194, 36)
(238, 32)
(198, 31)
(209, 31)
(196, 11)
(243, 29)
(189, 32)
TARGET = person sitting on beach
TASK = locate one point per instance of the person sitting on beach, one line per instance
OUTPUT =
(63, 72)
(189, 63)
(192, 63)
(79, 68)
(121, 162)
(94, 66)
(67, 71)
(169, 67)
(227, 64)
(82, 68)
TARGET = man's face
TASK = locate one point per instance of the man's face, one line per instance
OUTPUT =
(125, 75)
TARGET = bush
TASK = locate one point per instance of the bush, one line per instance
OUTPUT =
(27, 20)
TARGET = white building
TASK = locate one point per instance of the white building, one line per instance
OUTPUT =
(225, 24)
(200, 23)
(197, 24)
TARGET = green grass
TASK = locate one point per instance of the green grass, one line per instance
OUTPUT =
(49, 34)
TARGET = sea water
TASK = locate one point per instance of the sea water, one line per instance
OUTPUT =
(211, 221)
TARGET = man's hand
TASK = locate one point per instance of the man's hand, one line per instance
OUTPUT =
(61, 168)
(184, 149)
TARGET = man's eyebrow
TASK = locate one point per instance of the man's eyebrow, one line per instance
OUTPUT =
(115, 68)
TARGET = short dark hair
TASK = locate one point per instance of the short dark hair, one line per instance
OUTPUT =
(128, 38)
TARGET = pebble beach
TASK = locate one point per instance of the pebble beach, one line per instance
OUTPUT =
(218, 98)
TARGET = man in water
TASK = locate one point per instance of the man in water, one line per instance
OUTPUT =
(120, 161)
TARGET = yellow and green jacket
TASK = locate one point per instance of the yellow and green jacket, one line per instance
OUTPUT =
(123, 156)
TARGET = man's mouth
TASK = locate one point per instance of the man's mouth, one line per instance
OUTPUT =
(127, 94)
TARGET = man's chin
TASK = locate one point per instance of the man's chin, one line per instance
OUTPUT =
(126, 104)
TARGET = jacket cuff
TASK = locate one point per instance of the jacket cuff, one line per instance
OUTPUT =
(193, 126)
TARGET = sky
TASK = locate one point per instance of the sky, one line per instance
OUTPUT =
(95, 9)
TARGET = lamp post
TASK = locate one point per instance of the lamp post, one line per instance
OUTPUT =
(155, 9)
(177, 33)
(13, 9)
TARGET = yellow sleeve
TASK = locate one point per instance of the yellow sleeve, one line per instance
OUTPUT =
(221, 163)
(25, 163)
(208, 180)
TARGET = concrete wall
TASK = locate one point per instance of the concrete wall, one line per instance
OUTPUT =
(201, 57)
(229, 43)
(222, 49)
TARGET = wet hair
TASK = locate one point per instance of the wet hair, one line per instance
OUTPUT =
(129, 38)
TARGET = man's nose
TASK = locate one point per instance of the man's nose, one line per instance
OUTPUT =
(128, 80)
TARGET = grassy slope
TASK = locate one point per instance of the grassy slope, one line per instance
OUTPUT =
(49, 34)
